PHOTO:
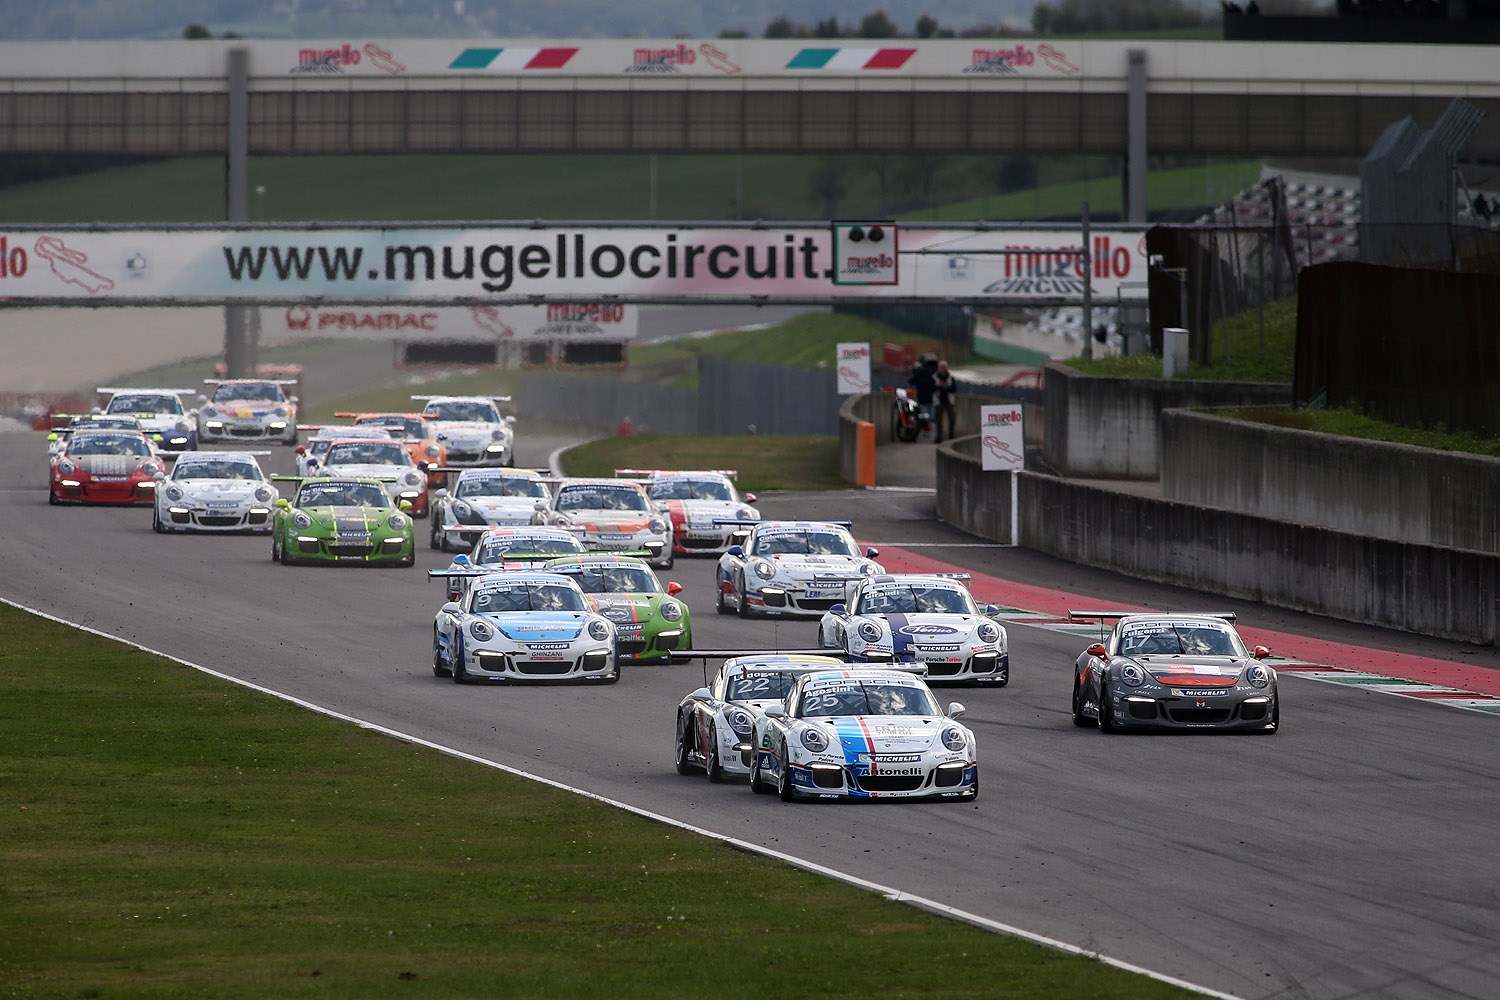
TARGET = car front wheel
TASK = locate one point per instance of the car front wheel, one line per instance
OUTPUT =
(784, 779)
(712, 766)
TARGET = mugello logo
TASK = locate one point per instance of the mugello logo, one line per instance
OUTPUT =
(1002, 61)
(854, 353)
(1004, 418)
(662, 60)
(12, 260)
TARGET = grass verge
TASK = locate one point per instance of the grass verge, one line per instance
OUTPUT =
(1256, 353)
(166, 834)
(1351, 422)
(761, 462)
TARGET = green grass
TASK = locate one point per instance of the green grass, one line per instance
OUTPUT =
(164, 834)
(1248, 360)
(762, 462)
(1352, 422)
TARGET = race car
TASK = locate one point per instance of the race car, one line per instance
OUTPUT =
(791, 568)
(387, 461)
(863, 733)
(527, 547)
(483, 498)
(649, 622)
(472, 428)
(422, 440)
(927, 618)
(716, 723)
(523, 626)
(160, 412)
(341, 521)
(248, 409)
(697, 503)
(105, 467)
(64, 424)
(218, 491)
(1161, 670)
(615, 515)
(310, 455)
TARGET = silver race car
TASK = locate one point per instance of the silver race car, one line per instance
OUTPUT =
(215, 491)
(472, 429)
(484, 498)
(791, 568)
(1160, 670)
(926, 618)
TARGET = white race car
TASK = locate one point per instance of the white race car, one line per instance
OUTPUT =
(215, 491)
(919, 618)
(864, 733)
(387, 461)
(248, 409)
(310, 455)
(792, 568)
(57, 439)
(697, 503)
(161, 414)
(616, 515)
(716, 724)
(483, 498)
(523, 626)
(472, 429)
(504, 549)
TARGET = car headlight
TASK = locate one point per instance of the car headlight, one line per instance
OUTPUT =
(150, 468)
(481, 630)
(988, 632)
(264, 494)
(66, 467)
(182, 427)
(763, 569)
(461, 509)
(1258, 675)
(953, 738)
(397, 522)
(281, 411)
(433, 451)
(561, 520)
(869, 631)
(740, 721)
(867, 569)
(815, 740)
(497, 435)
(411, 478)
(671, 611)
(1132, 675)
(598, 630)
(209, 411)
(744, 514)
(657, 525)
(302, 520)
(174, 493)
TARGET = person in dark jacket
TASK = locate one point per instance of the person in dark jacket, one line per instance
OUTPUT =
(922, 383)
(944, 388)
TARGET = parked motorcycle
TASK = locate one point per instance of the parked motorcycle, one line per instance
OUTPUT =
(910, 419)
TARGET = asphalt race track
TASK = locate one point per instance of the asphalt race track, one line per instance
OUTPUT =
(1350, 855)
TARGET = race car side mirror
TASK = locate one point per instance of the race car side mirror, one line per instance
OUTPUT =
(736, 550)
(540, 505)
(991, 610)
(439, 493)
(1261, 652)
(510, 419)
(404, 505)
(452, 608)
(749, 497)
(871, 552)
(299, 450)
(282, 503)
(423, 465)
(955, 710)
(776, 712)
(160, 477)
(674, 588)
(1097, 650)
(461, 559)
(838, 609)
(702, 694)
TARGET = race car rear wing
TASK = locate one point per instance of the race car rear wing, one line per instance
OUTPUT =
(577, 529)
(112, 389)
(544, 475)
(1115, 615)
(498, 399)
(252, 378)
(652, 473)
(730, 520)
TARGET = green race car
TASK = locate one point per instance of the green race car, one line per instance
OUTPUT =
(342, 520)
(649, 622)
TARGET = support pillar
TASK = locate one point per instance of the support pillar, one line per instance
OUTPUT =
(1135, 137)
(239, 344)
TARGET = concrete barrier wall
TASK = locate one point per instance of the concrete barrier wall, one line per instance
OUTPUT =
(1390, 491)
(967, 496)
(1109, 428)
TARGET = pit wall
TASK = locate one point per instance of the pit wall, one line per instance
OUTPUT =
(1393, 491)
(879, 409)
(1110, 428)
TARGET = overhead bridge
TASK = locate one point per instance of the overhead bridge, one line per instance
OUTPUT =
(1001, 96)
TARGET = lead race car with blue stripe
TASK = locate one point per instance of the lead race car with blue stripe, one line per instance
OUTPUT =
(920, 618)
(864, 733)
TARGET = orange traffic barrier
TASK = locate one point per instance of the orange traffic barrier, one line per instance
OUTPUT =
(864, 454)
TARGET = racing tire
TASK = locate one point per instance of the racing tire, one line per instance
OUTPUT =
(719, 604)
(614, 678)
(741, 606)
(52, 500)
(410, 560)
(756, 785)
(286, 554)
(671, 561)
(683, 765)
(156, 524)
(438, 670)
(1079, 719)
(1106, 714)
(784, 780)
(975, 796)
(435, 534)
(1275, 718)
(711, 765)
(459, 675)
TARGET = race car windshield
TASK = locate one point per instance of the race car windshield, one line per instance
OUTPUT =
(367, 453)
(1169, 639)
(144, 403)
(691, 489)
(260, 392)
(532, 597)
(342, 495)
(757, 687)
(463, 409)
(108, 444)
(502, 486)
(866, 698)
(211, 469)
(802, 543)
(915, 600)
(614, 579)
(603, 498)
(497, 547)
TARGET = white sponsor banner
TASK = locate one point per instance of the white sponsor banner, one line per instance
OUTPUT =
(1002, 442)
(865, 253)
(596, 321)
(853, 369)
(525, 265)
